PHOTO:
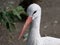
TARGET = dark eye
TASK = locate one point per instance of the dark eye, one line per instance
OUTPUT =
(34, 12)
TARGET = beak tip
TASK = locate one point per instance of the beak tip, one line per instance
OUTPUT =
(19, 38)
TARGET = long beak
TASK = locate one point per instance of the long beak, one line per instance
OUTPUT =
(28, 21)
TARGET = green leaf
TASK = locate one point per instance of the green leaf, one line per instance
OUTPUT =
(7, 17)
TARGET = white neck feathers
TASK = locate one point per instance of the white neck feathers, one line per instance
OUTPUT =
(35, 26)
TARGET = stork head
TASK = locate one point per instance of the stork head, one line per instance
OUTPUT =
(33, 12)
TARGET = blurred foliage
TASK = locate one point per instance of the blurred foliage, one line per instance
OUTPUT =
(9, 14)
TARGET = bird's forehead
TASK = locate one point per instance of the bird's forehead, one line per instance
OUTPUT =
(33, 7)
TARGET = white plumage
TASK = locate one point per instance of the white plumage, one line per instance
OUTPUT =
(34, 37)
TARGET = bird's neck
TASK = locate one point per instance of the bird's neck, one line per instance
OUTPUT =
(35, 27)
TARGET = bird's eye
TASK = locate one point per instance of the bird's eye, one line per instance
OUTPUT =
(34, 12)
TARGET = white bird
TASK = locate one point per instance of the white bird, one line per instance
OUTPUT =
(34, 37)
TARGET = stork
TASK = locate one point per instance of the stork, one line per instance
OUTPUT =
(34, 37)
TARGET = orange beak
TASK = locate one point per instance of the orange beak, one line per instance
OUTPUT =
(28, 21)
